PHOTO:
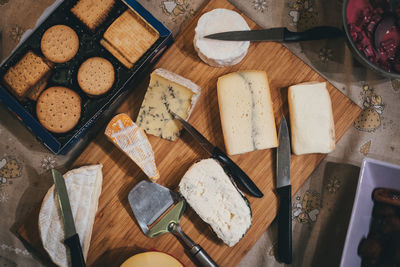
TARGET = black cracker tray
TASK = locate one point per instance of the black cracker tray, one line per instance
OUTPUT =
(65, 74)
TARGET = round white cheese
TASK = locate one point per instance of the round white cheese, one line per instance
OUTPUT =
(218, 53)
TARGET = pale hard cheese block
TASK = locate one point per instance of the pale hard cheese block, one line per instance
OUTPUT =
(311, 118)
(167, 92)
(218, 53)
(151, 259)
(246, 112)
(211, 194)
(128, 137)
(84, 188)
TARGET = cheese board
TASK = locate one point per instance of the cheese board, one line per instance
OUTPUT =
(116, 235)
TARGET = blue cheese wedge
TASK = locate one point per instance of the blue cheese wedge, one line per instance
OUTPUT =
(246, 112)
(311, 118)
(211, 194)
(167, 92)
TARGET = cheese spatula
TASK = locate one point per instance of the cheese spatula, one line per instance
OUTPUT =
(151, 205)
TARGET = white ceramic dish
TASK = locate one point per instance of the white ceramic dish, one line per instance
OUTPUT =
(373, 174)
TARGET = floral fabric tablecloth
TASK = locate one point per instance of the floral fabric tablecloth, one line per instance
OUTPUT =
(321, 208)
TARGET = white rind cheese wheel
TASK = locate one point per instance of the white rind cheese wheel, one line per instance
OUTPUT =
(84, 188)
(220, 53)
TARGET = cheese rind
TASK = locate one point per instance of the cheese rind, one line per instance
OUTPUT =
(220, 53)
(311, 118)
(84, 188)
(167, 92)
(211, 194)
(151, 259)
(129, 138)
(246, 112)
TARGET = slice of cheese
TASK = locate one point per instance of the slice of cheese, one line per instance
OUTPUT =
(167, 92)
(211, 194)
(151, 259)
(84, 188)
(246, 112)
(220, 53)
(128, 137)
(311, 118)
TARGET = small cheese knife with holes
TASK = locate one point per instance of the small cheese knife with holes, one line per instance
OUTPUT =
(233, 170)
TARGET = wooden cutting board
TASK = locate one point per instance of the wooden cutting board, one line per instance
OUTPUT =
(116, 235)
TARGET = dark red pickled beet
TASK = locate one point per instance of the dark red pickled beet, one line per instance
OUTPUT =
(364, 16)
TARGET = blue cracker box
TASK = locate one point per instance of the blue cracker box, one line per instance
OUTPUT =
(65, 74)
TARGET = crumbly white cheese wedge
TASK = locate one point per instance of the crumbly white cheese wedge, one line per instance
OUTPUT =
(167, 92)
(128, 137)
(220, 53)
(84, 188)
(311, 118)
(246, 112)
(211, 194)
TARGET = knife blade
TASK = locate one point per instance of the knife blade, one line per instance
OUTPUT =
(237, 174)
(283, 189)
(72, 238)
(278, 35)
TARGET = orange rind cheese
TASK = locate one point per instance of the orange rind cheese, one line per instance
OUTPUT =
(128, 137)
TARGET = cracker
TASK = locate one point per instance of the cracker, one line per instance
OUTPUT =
(58, 109)
(131, 35)
(96, 76)
(35, 90)
(116, 54)
(59, 43)
(26, 73)
(16, 82)
(92, 12)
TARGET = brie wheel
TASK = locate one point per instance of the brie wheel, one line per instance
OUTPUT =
(220, 53)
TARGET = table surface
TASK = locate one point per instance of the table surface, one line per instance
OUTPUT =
(321, 208)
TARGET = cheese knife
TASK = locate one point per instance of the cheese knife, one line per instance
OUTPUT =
(283, 189)
(72, 238)
(279, 35)
(237, 174)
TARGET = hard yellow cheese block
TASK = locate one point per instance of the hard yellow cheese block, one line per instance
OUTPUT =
(128, 137)
(311, 118)
(246, 112)
(167, 92)
(151, 259)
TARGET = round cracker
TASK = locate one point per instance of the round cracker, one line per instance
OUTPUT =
(58, 109)
(96, 76)
(59, 43)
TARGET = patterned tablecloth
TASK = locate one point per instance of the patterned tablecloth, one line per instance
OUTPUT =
(321, 208)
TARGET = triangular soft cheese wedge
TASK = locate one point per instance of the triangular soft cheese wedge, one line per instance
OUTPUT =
(129, 138)
(84, 188)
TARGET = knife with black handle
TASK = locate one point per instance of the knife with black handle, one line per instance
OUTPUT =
(284, 191)
(230, 167)
(279, 35)
(72, 238)
(74, 244)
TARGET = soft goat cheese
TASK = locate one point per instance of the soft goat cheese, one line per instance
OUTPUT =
(211, 194)
(220, 53)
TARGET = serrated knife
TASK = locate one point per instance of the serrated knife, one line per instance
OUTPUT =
(72, 238)
(237, 174)
(284, 191)
(279, 35)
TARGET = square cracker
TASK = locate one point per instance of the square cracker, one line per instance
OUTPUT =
(16, 82)
(92, 12)
(26, 73)
(131, 35)
(116, 54)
